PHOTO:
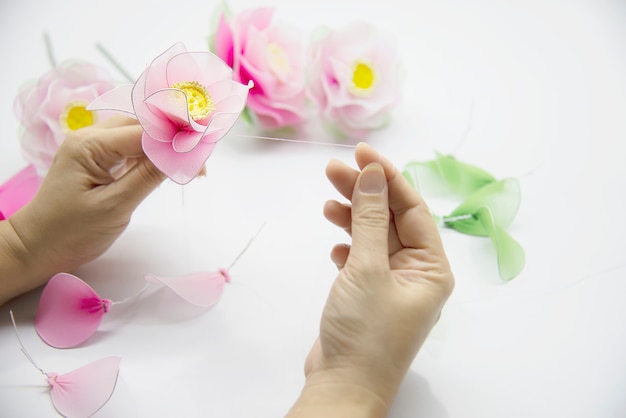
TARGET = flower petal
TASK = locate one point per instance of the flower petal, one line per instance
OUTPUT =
(202, 289)
(224, 42)
(82, 392)
(156, 74)
(152, 121)
(203, 67)
(171, 105)
(186, 141)
(69, 311)
(181, 167)
(117, 99)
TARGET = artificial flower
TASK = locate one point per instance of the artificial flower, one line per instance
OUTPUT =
(54, 105)
(185, 102)
(354, 78)
(271, 55)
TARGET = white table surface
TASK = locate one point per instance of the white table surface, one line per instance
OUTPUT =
(542, 86)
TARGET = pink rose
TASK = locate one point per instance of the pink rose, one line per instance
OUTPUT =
(272, 56)
(186, 102)
(354, 78)
(56, 104)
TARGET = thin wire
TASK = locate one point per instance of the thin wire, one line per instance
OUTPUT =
(246, 247)
(48, 42)
(22, 349)
(114, 62)
(300, 141)
(133, 296)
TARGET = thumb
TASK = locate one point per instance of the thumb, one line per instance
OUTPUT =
(370, 218)
(138, 182)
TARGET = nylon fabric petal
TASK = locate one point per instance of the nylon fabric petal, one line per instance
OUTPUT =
(69, 311)
(203, 289)
(82, 392)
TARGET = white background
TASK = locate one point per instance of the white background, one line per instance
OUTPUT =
(541, 86)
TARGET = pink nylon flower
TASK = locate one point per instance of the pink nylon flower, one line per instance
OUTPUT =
(354, 78)
(55, 105)
(272, 56)
(186, 102)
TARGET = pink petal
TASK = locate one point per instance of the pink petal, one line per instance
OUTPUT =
(69, 311)
(186, 141)
(181, 167)
(224, 41)
(203, 67)
(82, 392)
(224, 90)
(201, 289)
(155, 76)
(117, 99)
(171, 105)
(154, 122)
(18, 191)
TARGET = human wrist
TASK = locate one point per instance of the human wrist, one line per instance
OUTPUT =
(17, 273)
(341, 394)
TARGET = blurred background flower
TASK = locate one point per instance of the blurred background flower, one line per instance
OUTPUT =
(271, 54)
(355, 78)
(55, 105)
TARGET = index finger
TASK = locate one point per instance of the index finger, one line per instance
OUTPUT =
(123, 141)
(414, 221)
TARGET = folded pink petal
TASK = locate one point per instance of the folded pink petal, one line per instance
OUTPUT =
(155, 123)
(18, 191)
(202, 289)
(117, 99)
(82, 392)
(172, 106)
(69, 311)
(186, 141)
(181, 167)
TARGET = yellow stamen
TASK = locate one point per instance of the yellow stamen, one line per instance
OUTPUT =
(76, 116)
(363, 79)
(199, 100)
(279, 62)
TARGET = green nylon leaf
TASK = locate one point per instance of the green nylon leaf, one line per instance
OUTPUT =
(501, 197)
(446, 174)
(511, 256)
(464, 179)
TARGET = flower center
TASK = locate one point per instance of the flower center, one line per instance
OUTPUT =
(363, 78)
(279, 62)
(76, 116)
(199, 101)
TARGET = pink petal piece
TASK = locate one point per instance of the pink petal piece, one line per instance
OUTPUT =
(82, 392)
(18, 191)
(172, 105)
(186, 141)
(181, 167)
(69, 311)
(115, 99)
(201, 289)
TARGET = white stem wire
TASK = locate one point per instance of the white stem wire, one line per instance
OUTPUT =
(246, 247)
(22, 348)
(299, 141)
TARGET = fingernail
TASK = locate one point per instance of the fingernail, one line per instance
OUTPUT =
(373, 179)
